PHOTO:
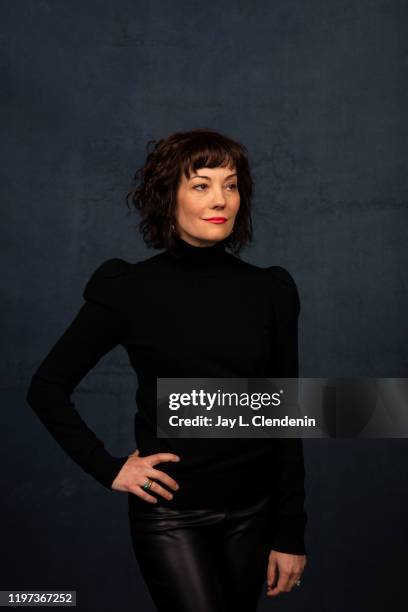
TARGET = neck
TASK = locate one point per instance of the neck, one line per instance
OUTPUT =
(199, 255)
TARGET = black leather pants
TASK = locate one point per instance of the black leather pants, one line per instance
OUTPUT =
(203, 560)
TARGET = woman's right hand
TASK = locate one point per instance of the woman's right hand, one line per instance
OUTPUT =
(137, 470)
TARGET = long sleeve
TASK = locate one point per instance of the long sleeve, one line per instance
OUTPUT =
(290, 518)
(95, 330)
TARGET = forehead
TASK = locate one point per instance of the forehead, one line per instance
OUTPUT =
(219, 171)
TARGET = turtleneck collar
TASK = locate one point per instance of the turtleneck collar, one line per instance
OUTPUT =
(198, 255)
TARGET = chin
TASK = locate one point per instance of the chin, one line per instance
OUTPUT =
(215, 233)
(216, 236)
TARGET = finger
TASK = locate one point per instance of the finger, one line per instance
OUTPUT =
(294, 580)
(136, 490)
(283, 583)
(163, 477)
(272, 574)
(160, 457)
(156, 488)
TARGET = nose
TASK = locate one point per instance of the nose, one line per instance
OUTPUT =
(219, 197)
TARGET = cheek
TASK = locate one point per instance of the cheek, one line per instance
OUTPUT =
(185, 205)
(192, 206)
(235, 202)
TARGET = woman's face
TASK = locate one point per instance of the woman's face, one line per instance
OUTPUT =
(207, 204)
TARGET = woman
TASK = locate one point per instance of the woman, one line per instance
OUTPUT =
(210, 519)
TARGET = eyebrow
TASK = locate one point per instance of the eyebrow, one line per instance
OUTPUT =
(207, 177)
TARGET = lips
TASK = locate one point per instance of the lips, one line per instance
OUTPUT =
(216, 219)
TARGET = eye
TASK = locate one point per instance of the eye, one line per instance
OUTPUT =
(201, 185)
(233, 186)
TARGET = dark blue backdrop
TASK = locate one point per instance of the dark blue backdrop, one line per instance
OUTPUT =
(318, 92)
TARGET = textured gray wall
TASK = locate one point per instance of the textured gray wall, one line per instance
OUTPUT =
(318, 92)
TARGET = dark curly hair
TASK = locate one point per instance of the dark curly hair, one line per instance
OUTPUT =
(154, 194)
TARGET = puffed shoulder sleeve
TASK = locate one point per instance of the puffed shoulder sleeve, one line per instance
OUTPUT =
(96, 329)
(289, 485)
(101, 289)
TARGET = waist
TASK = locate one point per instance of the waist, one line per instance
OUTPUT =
(213, 487)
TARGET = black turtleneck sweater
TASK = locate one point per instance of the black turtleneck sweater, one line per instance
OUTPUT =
(187, 312)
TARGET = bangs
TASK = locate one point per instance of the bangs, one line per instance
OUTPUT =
(209, 155)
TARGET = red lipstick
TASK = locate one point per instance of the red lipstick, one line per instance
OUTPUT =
(216, 219)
